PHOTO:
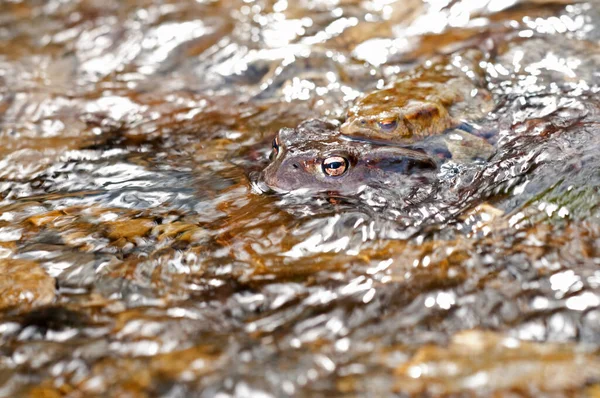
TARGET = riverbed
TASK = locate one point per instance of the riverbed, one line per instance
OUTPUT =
(137, 257)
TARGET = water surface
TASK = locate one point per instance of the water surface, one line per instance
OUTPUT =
(137, 259)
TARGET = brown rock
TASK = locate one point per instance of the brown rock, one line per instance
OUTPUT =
(130, 229)
(24, 284)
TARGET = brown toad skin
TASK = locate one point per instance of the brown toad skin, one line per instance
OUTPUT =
(297, 164)
(426, 101)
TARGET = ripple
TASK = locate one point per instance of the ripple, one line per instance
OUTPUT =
(141, 255)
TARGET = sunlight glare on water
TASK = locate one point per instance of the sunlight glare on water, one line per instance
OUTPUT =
(144, 251)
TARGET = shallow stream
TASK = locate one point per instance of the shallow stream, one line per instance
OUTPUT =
(137, 257)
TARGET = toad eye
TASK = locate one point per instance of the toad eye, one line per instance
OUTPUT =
(388, 125)
(275, 150)
(335, 166)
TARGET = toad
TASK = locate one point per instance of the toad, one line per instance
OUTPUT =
(427, 101)
(316, 157)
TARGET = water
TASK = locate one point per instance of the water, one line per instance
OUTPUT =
(137, 258)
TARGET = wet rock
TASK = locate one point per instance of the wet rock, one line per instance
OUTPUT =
(489, 362)
(130, 229)
(24, 284)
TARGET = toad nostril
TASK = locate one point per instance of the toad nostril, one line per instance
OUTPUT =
(295, 165)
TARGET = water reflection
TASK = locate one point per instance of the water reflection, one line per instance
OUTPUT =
(137, 258)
